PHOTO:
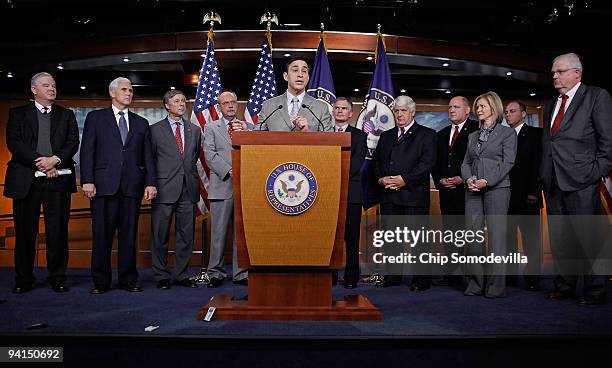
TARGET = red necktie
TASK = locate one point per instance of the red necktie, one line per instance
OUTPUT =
(455, 135)
(340, 129)
(559, 116)
(229, 130)
(402, 131)
(179, 140)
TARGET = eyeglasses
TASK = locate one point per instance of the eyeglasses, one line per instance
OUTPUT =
(561, 71)
(225, 103)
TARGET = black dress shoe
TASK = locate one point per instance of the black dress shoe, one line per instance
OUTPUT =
(558, 294)
(441, 282)
(132, 287)
(163, 284)
(98, 290)
(532, 287)
(214, 282)
(60, 287)
(419, 287)
(21, 289)
(590, 300)
(243, 282)
(350, 284)
(388, 283)
(187, 283)
(511, 280)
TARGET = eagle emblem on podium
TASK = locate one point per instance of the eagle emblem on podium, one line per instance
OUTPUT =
(291, 188)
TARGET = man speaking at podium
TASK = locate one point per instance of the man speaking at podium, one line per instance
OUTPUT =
(295, 110)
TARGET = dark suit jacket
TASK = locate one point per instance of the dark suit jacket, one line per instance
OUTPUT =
(581, 150)
(172, 168)
(359, 149)
(22, 138)
(448, 164)
(524, 173)
(413, 157)
(107, 163)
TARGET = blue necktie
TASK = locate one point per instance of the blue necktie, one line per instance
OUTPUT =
(123, 129)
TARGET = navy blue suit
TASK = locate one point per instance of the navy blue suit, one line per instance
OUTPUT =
(359, 149)
(120, 173)
(413, 157)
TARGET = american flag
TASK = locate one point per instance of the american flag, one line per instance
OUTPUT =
(205, 111)
(606, 194)
(264, 85)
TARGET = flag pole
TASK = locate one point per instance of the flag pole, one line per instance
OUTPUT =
(202, 278)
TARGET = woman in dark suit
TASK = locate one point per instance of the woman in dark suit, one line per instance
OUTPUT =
(485, 170)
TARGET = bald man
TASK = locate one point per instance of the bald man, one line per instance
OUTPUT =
(452, 144)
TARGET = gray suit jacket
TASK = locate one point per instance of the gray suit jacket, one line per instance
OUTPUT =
(581, 150)
(218, 156)
(495, 159)
(280, 121)
(171, 166)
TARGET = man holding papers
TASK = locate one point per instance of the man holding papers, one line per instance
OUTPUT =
(42, 138)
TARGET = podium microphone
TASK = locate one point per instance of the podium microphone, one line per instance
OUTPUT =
(268, 117)
(316, 117)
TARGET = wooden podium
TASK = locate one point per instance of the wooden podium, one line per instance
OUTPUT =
(290, 256)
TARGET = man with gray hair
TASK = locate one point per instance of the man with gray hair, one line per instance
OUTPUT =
(576, 154)
(176, 144)
(42, 138)
(218, 155)
(117, 169)
(403, 160)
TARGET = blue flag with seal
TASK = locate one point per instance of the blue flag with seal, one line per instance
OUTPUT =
(376, 115)
(321, 84)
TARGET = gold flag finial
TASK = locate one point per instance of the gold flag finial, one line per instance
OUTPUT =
(268, 18)
(211, 17)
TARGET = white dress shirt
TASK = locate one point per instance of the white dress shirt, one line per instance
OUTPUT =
(406, 129)
(41, 107)
(450, 138)
(290, 98)
(117, 116)
(570, 96)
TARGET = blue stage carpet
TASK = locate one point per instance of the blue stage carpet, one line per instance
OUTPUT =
(438, 313)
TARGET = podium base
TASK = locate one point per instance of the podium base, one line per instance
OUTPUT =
(352, 308)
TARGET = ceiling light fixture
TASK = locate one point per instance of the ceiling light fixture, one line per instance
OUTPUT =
(532, 94)
(508, 73)
(126, 59)
(446, 64)
(554, 16)
(60, 66)
(83, 88)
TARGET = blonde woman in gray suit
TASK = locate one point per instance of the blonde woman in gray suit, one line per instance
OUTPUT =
(485, 170)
